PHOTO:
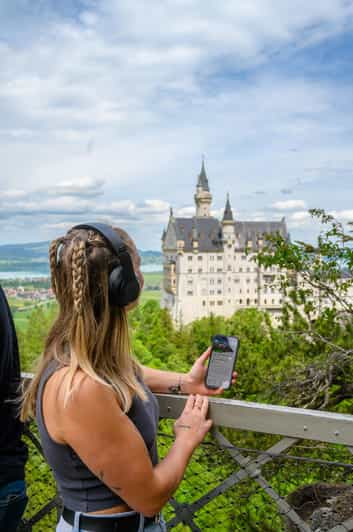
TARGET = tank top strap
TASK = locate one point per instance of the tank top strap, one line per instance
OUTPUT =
(52, 366)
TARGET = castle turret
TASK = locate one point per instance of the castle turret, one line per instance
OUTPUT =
(203, 197)
(228, 223)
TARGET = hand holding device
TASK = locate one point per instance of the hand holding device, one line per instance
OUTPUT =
(222, 361)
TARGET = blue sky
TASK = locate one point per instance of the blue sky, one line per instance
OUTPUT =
(107, 107)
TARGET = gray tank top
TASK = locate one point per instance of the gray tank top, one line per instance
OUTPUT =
(80, 489)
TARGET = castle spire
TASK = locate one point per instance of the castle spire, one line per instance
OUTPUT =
(203, 197)
(228, 213)
(202, 181)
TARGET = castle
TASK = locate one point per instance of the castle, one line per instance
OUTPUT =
(209, 265)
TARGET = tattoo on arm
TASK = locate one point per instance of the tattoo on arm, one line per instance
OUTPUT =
(184, 426)
(101, 477)
(176, 388)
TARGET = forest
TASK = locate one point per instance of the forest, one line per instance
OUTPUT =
(305, 360)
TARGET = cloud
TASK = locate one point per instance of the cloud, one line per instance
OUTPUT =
(84, 186)
(344, 215)
(289, 205)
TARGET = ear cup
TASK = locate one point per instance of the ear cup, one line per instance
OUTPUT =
(123, 287)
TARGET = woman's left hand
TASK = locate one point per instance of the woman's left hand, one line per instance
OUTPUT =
(195, 379)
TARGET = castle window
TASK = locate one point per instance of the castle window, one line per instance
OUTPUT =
(243, 257)
(247, 281)
(219, 270)
(211, 292)
(219, 302)
(203, 303)
(219, 281)
(273, 301)
(219, 291)
(280, 301)
(212, 303)
(200, 270)
(211, 281)
(211, 257)
(229, 268)
(240, 269)
(241, 301)
(247, 269)
(190, 282)
(255, 301)
(190, 293)
(248, 301)
(189, 257)
(236, 280)
(265, 301)
(199, 257)
(189, 270)
(219, 257)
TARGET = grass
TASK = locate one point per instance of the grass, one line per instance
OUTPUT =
(21, 319)
(150, 294)
(152, 280)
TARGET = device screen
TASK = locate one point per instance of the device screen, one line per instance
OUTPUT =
(222, 360)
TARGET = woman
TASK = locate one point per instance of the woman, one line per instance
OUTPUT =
(95, 411)
(13, 452)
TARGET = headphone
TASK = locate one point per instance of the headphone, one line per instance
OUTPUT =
(124, 287)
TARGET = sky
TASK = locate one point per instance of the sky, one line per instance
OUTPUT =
(108, 106)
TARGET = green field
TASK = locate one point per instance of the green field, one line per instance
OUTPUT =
(152, 287)
(151, 291)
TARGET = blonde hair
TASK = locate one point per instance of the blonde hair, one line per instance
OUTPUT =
(88, 333)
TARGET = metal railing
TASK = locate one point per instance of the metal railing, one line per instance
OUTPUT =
(262, 468)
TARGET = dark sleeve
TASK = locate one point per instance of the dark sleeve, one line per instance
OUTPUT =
(10, 372)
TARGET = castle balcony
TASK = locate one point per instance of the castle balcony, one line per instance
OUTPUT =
(263, 468)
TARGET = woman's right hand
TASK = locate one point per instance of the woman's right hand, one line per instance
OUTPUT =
(192, 426)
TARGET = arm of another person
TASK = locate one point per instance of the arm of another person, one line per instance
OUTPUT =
(106, 440)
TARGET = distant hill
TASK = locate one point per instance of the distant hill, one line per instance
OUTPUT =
(33, 256)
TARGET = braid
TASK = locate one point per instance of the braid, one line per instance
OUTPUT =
(53, 250)
(78, 273)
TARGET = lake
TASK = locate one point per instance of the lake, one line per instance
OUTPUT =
(147, 268)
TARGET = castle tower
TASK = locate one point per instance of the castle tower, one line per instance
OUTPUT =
(203, 197)
(228, 229)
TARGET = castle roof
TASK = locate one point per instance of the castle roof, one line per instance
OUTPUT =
(251, 231)
(209, 233)
(208, 229)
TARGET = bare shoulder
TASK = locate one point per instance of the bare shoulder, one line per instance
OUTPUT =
(90, 403)
(88, 395)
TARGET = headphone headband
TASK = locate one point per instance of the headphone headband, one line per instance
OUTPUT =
(107, 232)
